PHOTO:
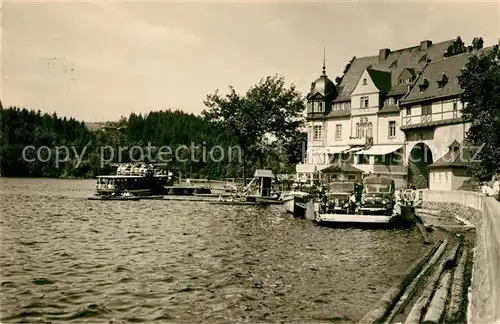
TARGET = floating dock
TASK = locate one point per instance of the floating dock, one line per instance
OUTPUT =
(187, 190)
(122, 198)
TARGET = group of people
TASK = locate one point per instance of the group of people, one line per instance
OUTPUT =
(492, 188)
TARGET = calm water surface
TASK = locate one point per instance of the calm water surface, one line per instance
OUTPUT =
(65, 258)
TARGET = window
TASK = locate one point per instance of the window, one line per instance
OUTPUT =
(339, 106)
(390, 101)
(318, 107)
(401, 81)
(317, 133)
(338, 131)
(365, 82)
(357, 131)
(408, 111)
(426, 109)
(392, 129)
(351, 177)
(369, 133)
(455, 105)
(364, 102)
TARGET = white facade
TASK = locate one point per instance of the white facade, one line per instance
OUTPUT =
(334, 135)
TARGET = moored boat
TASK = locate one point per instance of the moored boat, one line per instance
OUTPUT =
(374, 206)
(139, 180)
(295, 202)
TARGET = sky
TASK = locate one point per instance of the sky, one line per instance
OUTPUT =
(97, 61)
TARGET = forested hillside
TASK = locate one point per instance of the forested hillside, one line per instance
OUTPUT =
(21, 128)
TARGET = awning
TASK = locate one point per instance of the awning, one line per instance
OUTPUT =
(310, 168)
(331, 150)
(380, 149)
(263, 173)
(336, 149)
(305, 168)
(354, 149)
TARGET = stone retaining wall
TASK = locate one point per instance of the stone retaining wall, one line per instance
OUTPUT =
(484, 295)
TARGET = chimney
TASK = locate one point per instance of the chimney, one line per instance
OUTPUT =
(477, 43)
(424, 45)
(383, 54)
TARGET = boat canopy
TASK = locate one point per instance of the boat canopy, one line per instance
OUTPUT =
(117, 176)
(378, 180)
(259, 173)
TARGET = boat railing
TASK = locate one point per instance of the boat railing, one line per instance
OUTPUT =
(141, 172)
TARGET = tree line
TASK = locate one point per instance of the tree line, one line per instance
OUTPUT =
(20, 128)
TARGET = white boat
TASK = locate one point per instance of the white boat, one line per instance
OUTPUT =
(294, 200)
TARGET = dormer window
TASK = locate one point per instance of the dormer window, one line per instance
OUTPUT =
(423, 85)
(365, 82)
(405, 81)
(318, 107)
(441, 82)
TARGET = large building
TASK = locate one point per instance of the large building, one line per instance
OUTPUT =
(394, 113)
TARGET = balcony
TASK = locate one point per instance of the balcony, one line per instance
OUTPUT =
(316, 115)
(357, 141)
(434, 119)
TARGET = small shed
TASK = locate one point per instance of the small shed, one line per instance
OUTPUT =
(449, 172)
(341, 172)
(265, 178)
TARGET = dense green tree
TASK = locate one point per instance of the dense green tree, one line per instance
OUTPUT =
(480, 80)
(269, 110)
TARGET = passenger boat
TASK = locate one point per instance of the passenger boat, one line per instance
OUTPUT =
(134, 180)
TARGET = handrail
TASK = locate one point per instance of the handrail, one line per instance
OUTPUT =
(424, 118)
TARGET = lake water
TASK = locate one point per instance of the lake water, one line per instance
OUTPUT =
(65, 258)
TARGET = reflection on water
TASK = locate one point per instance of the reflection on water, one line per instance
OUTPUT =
(65, 258)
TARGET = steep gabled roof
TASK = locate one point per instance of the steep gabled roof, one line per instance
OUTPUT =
(388, 109)
(459, 156)
(411, 57)
(348, 168)
(449, 67)
(433, 73)
(381, 79)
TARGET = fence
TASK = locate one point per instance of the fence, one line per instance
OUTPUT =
(466, 198)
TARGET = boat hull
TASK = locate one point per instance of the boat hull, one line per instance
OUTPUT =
(351, 218)
(135, 192)
(295, 203)
(112, 198)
